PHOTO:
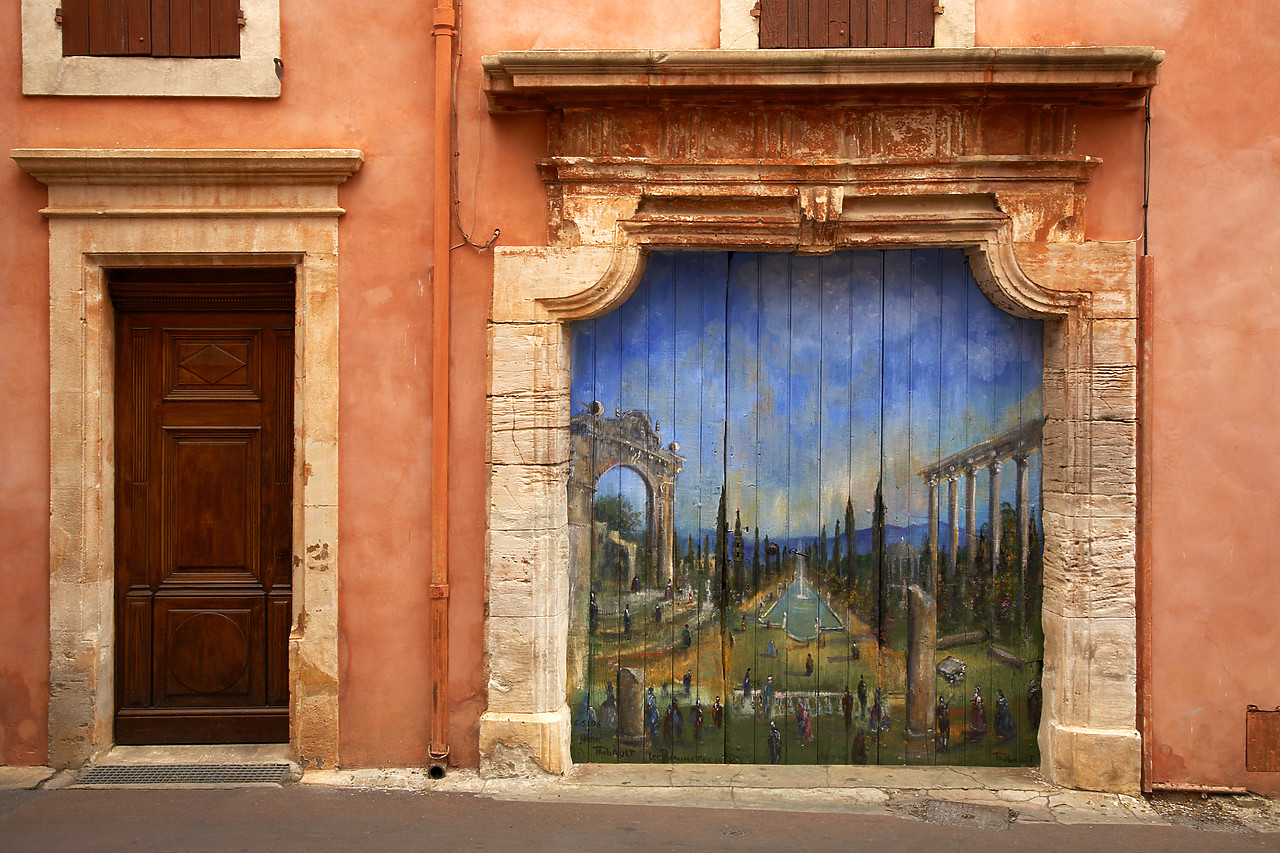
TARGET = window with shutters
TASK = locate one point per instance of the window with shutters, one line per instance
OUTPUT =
(186, 28)
(187, 48)
(846, 23)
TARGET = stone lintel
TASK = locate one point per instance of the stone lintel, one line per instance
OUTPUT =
(530, 81)
(133, 167)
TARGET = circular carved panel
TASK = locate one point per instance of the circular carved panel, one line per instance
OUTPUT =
(208, 653)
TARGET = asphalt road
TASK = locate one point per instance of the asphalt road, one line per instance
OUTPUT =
(308, 818)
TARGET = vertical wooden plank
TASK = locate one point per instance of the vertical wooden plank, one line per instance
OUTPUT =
(742, 366)
(201, 27)
(953, 611)
(877, 23)
(920, 23)
(180, 27)
(859, 21)
(926, 392)
(816, 23)
(160, 28)
(896, 24)
(225, 32)
(75, 27)
(838, 23)
(116, 29)
(798, 23)
(138, 28)
(773, 23)
(901, 552)
(99, 15)
(867, 451)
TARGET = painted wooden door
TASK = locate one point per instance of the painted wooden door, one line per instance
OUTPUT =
(204, 479)
(804, 515)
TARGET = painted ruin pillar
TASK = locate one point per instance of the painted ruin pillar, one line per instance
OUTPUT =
(970, 515)
(1023, 510)
(631, 709)
(993, 542)
(666, 532)
(931, 549)
(953, 522)
(922, 631)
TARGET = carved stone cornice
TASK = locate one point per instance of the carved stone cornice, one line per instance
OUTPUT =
(82, 166)
(525, 81)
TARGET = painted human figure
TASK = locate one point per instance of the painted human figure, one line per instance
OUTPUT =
(695, 717)
(1005, 726)
(609, 708)
(688, 681)
(654, 723)
(626, 621)
(942, 722)
(677, 721)
(594, 614)
(854, 652)
(635, 583)
(687, 638)
(879, 712)
(669, 591)
(772, 651)
(862, 698)
(775, 743)
(768, 696)
(846, 708)
(657, 614)
(977, 714)
(1035, 704)
(746, 688)
(808, 664)
(717, 713)
(858, 755)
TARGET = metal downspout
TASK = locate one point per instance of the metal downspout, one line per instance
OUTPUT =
(443, 30)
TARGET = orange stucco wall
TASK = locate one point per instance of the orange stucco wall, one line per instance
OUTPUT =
(1214, 182)
(363, 81)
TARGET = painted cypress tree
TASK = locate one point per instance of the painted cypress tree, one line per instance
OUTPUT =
(835, 553)
(850, 544)
(722, 544)
(739, 582)
(877, 558)
(755, 563)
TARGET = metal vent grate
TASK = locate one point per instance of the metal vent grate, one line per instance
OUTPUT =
(185, 774)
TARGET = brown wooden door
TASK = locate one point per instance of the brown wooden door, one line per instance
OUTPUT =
(204, 457)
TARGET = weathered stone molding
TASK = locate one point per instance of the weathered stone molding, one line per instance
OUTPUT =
(531, 81)
(159, 209)
(632, 172)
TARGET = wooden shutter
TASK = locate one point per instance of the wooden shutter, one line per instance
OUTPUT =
(846, 23)
(172, 28)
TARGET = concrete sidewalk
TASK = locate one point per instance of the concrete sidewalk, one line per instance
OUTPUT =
(599, 807)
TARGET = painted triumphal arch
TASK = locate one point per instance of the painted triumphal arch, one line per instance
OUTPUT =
(598, 444)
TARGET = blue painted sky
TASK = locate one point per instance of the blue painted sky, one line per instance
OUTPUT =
(821, 371)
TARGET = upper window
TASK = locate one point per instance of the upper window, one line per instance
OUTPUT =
(190, 48)
(186, 28)
(846, 23)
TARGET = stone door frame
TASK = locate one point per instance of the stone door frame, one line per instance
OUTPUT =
(617, 192)
(189, 208)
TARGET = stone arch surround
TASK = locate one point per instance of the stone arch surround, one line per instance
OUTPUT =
(629, 173)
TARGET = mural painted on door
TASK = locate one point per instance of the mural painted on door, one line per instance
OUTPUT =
(804, 504)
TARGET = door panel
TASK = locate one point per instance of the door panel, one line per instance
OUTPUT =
(204, 428)
(836, 432)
